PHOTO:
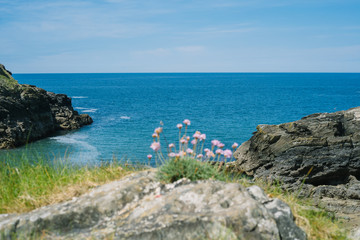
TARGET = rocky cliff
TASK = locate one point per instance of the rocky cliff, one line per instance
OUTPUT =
(29, 113)
(318, 156)
(140, 207)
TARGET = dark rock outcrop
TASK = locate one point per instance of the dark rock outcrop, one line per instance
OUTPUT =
(317, 156)
(140, 207)
(29, 113)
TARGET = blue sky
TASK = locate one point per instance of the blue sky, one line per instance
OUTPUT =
(180, 36)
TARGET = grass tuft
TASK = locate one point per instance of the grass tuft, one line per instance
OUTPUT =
(175, 169)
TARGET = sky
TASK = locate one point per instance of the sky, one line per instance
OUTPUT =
(78, 36)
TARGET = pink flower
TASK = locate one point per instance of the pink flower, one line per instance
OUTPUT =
(210, 154)
(221, 145)
(158, 130)
(227, 153)
(149, 156)
(235, 145)
(182, 153)
(197, 135)
(202, 137)
(171, 145)
(179, 126)
(186, 122)
(177, 155)
(155, 146)
(199, 156)
(193, 142)
(215, 142)
(155, 135)
(189, 151)
(219, 151)
(183, 141)
(172, 154)
(206, 150)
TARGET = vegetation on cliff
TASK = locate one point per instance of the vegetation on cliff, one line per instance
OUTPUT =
(6, 79)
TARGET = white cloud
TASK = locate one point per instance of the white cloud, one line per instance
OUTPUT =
(190, 49)
(162, 52)
(153, 52)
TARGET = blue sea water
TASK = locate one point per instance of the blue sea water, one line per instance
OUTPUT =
(126, 108)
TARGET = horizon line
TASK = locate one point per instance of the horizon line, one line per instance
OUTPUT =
(172, 72)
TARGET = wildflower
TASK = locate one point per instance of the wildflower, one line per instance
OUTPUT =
(187, 138)
(221, 145)
(186, 122)
(189, 151)
(177, 155)
(155, 146)
(219, 151)
(215, 142)
(199, 156)
(206, 150)
(235, 145)
(210, 154)
(193, 142)
(149, 156)
(202, 137)
(171, 145)
(227, 153)
(182, 153)
(172, 154)
(158, 130)
(183, 141)
(155, 135)
(197, 135)
(179, 126)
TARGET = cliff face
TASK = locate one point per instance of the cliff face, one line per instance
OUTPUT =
(29, 113)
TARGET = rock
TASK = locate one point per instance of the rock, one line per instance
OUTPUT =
(140, 207)
(317, 156)
(320, 149)
(28, 113)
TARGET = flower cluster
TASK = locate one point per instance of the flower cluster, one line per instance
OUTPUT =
(191, 147)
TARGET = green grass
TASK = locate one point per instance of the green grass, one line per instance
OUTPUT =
(26, 185)
(7, 80)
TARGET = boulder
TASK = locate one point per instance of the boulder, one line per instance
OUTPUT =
(321, 149)
(140, 207)
(29, 113)
(318, 155)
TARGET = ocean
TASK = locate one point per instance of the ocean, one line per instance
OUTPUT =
(127, 107)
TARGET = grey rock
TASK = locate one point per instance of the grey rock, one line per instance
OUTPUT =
(322, 150)
(28, 113)
(140, 207)
(318, 156)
